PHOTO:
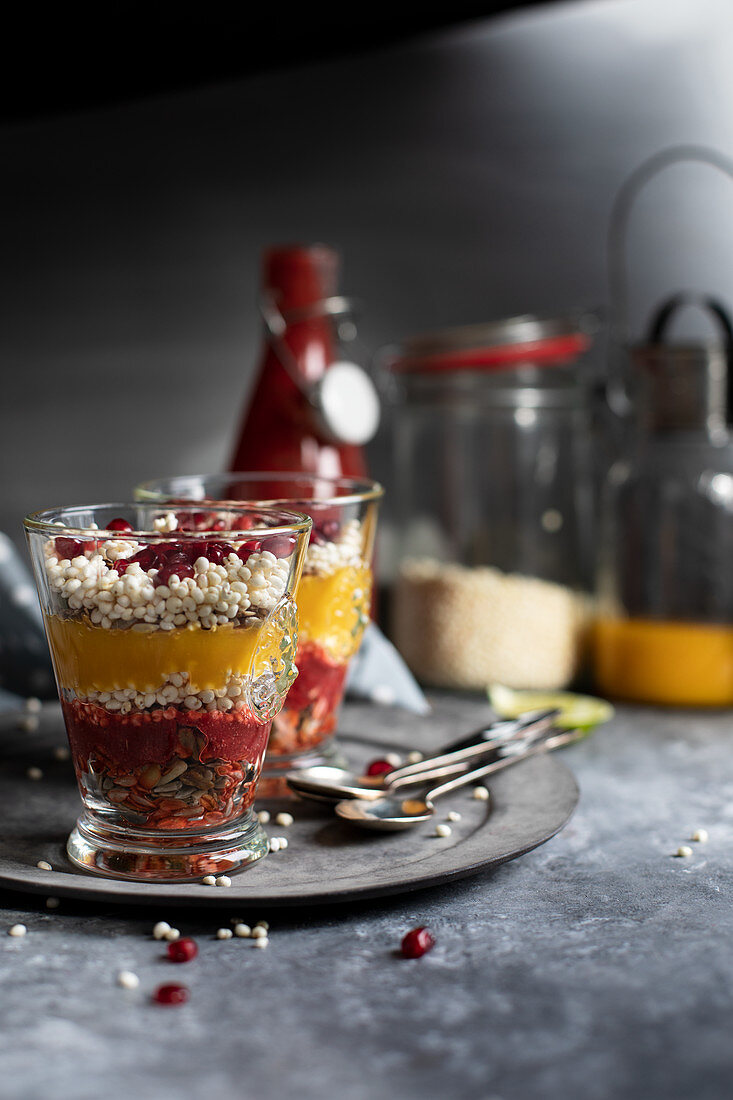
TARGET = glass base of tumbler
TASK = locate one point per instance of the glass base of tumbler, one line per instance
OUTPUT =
(142, 855)
(272, 782)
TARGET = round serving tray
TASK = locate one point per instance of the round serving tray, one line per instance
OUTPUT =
(326, 861)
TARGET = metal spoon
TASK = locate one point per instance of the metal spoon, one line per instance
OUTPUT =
(323, 783)
(393, 813)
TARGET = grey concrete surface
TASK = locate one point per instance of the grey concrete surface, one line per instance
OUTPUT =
(598, 966)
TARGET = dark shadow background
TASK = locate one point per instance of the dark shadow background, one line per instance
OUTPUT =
(465, 167)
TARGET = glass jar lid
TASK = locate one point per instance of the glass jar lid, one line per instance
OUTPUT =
(499, 345)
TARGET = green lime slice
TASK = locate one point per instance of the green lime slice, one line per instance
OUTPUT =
(582, 712)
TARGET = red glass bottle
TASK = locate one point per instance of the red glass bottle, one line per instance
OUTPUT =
(281, 429)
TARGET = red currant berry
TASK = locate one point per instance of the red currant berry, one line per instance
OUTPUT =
(176, 563)
(171, 994)
(251, 546)
(146, 558)
(281, 546)
(68, 548)
(417, 942)
(379, 767)
(182, 951)
(119, 525)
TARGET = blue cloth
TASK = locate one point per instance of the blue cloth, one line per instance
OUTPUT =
(379, 674)
(25, 664)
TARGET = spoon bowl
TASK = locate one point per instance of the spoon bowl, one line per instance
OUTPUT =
(329, 784)
(386, 814)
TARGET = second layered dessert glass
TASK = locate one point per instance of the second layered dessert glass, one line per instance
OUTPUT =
(334, 595)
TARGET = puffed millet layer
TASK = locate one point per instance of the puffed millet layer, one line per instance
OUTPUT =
(215, 595)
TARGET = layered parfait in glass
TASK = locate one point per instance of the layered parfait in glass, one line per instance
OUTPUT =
(334, 596)
(173, 638)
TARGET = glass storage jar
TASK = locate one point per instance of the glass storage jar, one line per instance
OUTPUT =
(493, 472)
(664, 627)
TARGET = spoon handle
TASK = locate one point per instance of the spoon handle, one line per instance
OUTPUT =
(488, 739)
(545, 744)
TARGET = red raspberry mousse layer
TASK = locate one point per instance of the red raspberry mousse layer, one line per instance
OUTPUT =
(169, 768)
(311, 708)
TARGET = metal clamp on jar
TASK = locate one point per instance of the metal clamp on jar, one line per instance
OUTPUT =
(492, 433)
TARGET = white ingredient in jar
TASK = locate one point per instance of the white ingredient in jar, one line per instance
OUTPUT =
(467, 627)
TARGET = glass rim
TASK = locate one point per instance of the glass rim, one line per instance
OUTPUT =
(46, 522)
(360, 490)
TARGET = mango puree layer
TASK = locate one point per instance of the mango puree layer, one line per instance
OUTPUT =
(90, 658)
(333, 610)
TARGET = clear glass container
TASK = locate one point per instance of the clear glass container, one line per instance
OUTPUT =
(172, 634)
(664, 627)
(492, 434)
(334, 597)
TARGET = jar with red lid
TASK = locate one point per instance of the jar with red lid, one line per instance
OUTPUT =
(493, 479)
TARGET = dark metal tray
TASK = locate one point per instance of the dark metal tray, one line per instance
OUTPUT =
(326, 860)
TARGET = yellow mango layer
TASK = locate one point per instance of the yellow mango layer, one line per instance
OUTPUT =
(90, 658)
(333, 610)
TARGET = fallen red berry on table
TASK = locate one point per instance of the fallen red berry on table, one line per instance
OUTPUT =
(171, 994)
(417, 942)
(182, 951)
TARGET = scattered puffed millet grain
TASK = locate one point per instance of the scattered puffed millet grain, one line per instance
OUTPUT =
(414, 757)
(172, 935)
(443, 830)
(263, 817)
(223, 933)
(263, 924)
(208, 880)
(44, 865)
(242, 930)
(259, 932)
(34, 773)
(127, 979)
(454, 816)
(683, 851)
(33, 705)
(284, 819)
(700, 836)
(274, 845)
(481, 794)
(61, 753)
(17, 930)
(223, 880)
(262, 942)
(28, 723)
(160, 929)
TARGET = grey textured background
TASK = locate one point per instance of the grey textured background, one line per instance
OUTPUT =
(467, 176)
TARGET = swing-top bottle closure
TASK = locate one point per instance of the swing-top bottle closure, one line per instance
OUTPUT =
(344, 399)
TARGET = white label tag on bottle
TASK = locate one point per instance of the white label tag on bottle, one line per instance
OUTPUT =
(348, 403)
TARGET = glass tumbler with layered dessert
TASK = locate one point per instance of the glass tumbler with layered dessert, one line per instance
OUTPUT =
(173, 639)
(334, 595)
